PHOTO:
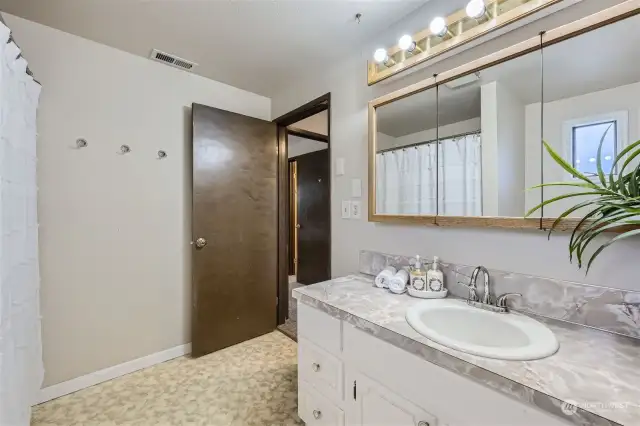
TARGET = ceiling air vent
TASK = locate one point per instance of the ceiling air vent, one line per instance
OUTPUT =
(173, 60)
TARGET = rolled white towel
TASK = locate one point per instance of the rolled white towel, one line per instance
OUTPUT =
(398, 283)
(382, 280)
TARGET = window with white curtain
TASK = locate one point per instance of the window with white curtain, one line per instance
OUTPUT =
(407, 179)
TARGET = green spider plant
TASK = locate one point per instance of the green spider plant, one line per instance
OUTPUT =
(614, 201)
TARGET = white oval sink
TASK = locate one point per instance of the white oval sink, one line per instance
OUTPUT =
(508, 336)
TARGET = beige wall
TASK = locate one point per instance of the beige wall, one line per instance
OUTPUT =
(526, 252)
(114, 229)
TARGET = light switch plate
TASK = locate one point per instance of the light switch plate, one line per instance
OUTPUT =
(339, 166)
(356, 210)
(356, 188)
(346, 209)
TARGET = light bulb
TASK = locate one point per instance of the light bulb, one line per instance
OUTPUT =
(475, 9)
(405, 42)
(380, 55)
(607, 158)
(438, 26)
(592, 160)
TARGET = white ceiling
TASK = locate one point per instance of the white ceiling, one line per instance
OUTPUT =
(598, 60)
(256, 45)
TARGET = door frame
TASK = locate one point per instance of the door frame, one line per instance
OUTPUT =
(313, 107)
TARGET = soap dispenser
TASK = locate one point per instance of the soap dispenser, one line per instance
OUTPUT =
(427, 284)
(435, 278)
(418, 276)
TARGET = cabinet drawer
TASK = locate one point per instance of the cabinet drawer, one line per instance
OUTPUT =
(320, 328)
(316, 410)
(321, 369)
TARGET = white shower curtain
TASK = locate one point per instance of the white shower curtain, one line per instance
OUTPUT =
(406, 179)
(21, 369)
(460, 162)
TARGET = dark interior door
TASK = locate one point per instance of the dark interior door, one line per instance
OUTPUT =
(314, 210)
(234, 228)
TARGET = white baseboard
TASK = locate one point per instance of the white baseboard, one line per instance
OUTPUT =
(73, 385)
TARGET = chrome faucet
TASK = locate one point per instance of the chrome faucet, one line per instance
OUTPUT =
(472, 300)
(486, 297)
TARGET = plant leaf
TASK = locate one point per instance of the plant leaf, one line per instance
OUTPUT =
(608, 243)
(579, 226)
(568, 212)
(597, 228)
(562, 197)
(619, 158)
(590, 227)
(575, 184)
(563, 163)
(599, 157)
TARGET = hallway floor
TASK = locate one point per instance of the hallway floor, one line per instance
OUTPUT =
(253, 383)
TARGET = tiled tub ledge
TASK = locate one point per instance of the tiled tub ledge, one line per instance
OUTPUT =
(599, 371)
(609, 309)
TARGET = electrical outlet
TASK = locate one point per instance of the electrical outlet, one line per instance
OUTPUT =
(356, 210)
(346, 209)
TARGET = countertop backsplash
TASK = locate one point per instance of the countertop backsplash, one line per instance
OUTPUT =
(608, 309)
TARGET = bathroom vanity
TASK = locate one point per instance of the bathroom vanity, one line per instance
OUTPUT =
(361, 363)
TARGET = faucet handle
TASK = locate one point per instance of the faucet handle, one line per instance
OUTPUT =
(501, 302)
(473, 295)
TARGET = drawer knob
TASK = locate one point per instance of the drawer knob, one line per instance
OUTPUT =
(423, 423)
(317, 414)
(315, 366)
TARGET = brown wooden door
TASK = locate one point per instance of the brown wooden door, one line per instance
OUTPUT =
(234, 213)
(314, 210)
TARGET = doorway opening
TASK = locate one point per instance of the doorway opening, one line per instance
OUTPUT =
(304, 203)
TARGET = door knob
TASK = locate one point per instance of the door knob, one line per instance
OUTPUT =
(298, 226)
(201, 242)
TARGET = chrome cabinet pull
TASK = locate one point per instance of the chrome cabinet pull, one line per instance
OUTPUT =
(423, 423)
(317, 414)
(316, 367)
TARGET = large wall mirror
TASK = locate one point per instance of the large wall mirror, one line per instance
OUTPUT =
(489, 120)
(592, 91)
(465, 147)
(406, 156)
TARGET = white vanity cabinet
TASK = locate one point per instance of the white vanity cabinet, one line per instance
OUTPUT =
(349, 377)
(374, 404)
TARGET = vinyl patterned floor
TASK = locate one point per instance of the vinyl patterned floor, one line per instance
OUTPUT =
(253, 383)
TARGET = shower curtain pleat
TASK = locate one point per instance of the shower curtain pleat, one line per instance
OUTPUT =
(21, 368)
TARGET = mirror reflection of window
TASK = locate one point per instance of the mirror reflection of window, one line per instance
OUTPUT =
(489, 124)
(406, 156)
(592, 94)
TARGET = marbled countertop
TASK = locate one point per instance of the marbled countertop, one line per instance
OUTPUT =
(598, 372)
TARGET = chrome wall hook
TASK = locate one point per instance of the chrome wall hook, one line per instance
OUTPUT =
(162, 154)
(124, 149)
(81, 143)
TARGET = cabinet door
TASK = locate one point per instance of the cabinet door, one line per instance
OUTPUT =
(371, 404)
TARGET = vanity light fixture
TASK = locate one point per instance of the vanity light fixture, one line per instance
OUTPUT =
(438, 27)
(474, 20)
(381, 57)
(476, 10)
(407, 44)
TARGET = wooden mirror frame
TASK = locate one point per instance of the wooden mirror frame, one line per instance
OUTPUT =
(603, 18)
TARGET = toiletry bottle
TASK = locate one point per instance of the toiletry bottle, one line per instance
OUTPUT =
(435, 279)
(418, 276)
